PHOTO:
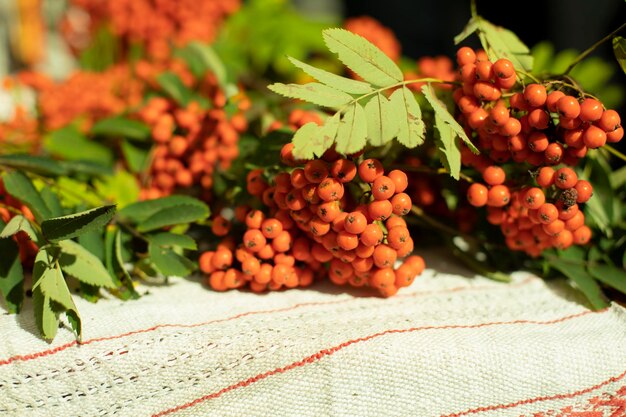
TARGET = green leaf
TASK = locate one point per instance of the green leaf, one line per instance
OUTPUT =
(609, 275)
(142, 210)
(315, 93)
(380, 127)
(347, 85)
(170, 263)
(83, 265)
(442, 111)
(69, 143)
(210, 60)
(619, 48)
(86, 167)
(115, 263)
(470, 27)
(52, 201)
(362, 57)
(18, 224)
(352, 131)
(20, 186)
(135, 156)
(121, 188)
(167, 239)
(584, 282)
(67, 227)
(73, 192)
(118, 126)
(174, 88)
(47, 319)
(48, 279)
(448, 148)
(35, 164)
(11, 274)
(93, 242)
(411, 128)
(499, 42)
(312, 140)
(184, 213)
(618, 178)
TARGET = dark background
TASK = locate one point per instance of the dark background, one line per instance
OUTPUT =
(428, 27)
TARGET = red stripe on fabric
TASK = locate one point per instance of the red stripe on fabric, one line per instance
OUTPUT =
(36, 355)
(537, 399)
(330, 351)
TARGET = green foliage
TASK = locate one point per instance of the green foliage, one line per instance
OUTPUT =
(70, 144)
(32, 163)
(67, 227)
(174, 88)
(51, 296)
(498, 42)
(11, 274)
(118, 126)
(142, 211)
(21, 187)
(593, 74)
(78, 262)
(619, 48)
(363, 57)
(256, 40)
(366, 112)
(405, 112)
(18, 224)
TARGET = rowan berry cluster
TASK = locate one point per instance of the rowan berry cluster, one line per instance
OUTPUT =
(154, 24)
(86, 96)
(191, 141)
(20, 132)
(9, 208)
(540, 127)
(324, 216)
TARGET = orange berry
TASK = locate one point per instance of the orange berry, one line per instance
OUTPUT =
(205, 262)
(220, 226)
(535, 95)
(355, 222)
(399, 179)
(382, 278)
(343, 170)
(254, 240)
(370, 169)
(271, 228)
(494, 175)
(384, 256)
(590, 110)
(380, 209)
(372, 235)
(498, 196)
(568, 106)
(477, 194)
(401, 204)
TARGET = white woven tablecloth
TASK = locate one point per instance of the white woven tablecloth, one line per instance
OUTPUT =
(450, 345)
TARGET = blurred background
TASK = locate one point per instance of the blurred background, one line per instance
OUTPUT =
(31, 32)
(56, 37)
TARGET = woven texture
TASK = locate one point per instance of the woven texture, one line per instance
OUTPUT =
(453, 344)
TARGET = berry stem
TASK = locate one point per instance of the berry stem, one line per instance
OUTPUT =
(589, 50)
(615, 152)
(438, 225)
(396, 85)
